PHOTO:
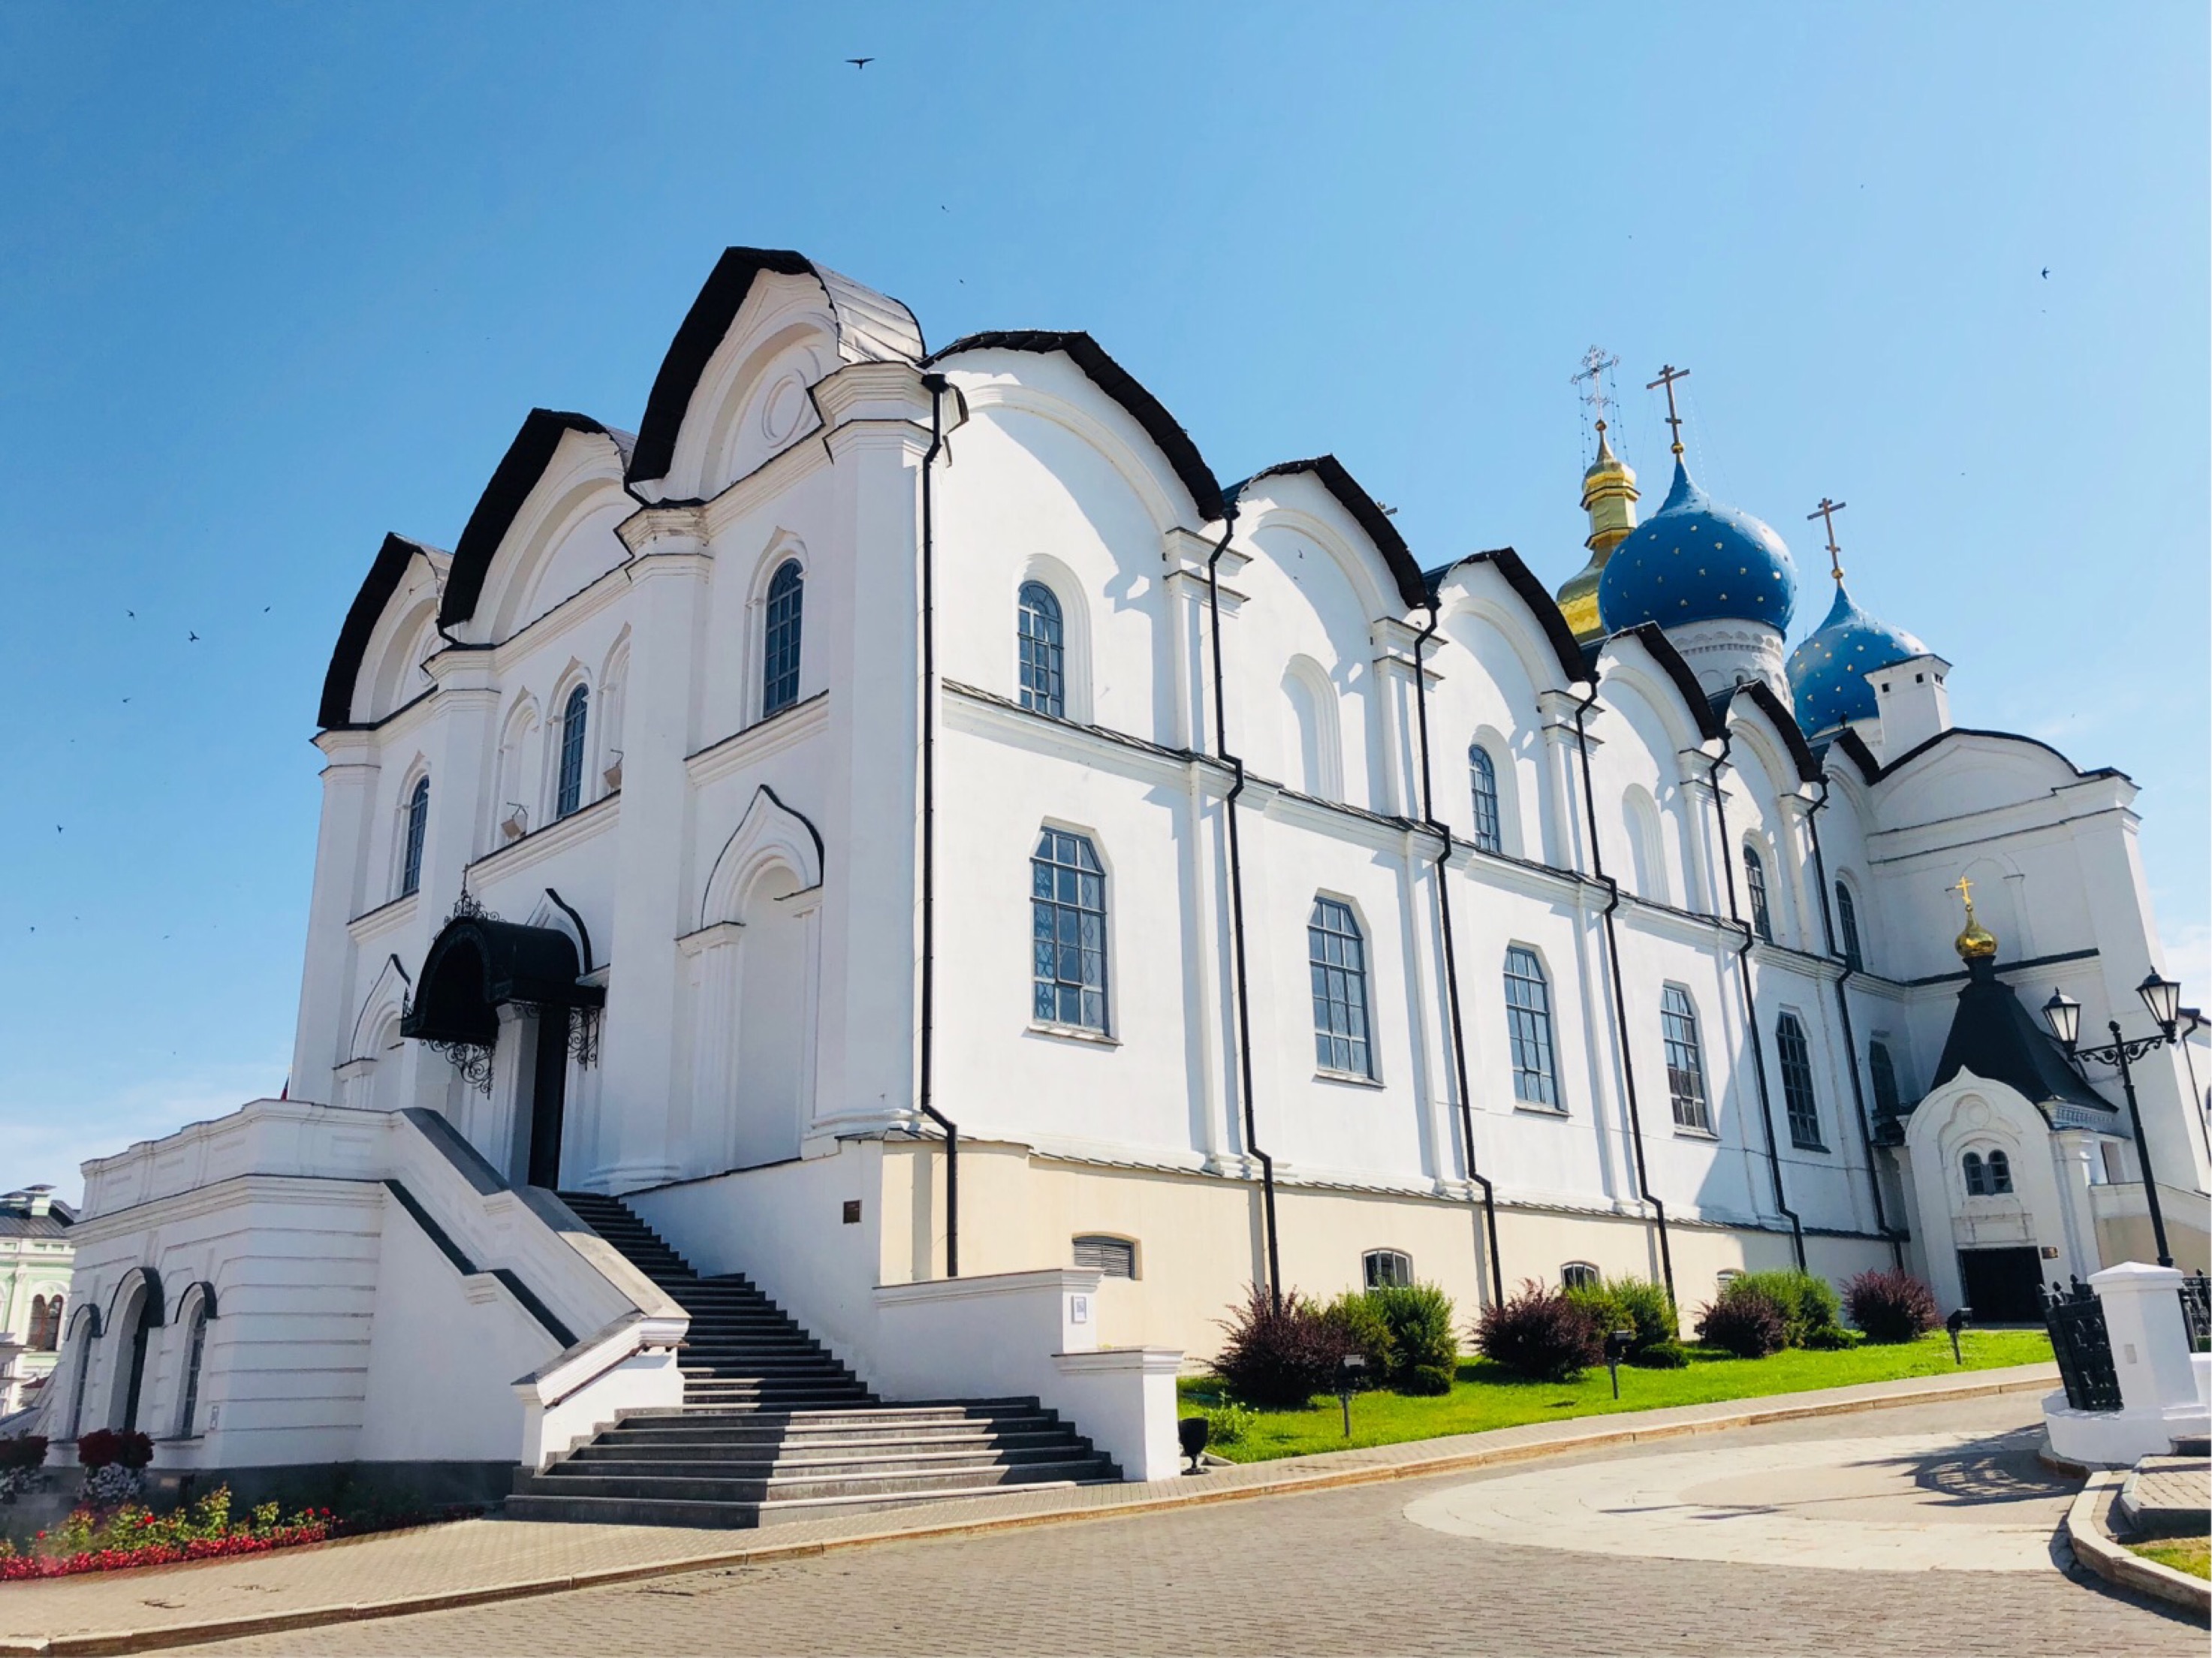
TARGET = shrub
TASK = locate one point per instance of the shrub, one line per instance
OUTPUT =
(1832, 1339)
(1227, 1423)
(26, 1451)
(1890, 1306)
(1661, 1355)
(1597, 1302)
(1360, 1321)
(1280, 1358)
(1644, 1305)
(1807, 1302)
(1748, 1325)
(1428, 1378)
(1541, 1334)
(1422, 1338)
(104, 1447)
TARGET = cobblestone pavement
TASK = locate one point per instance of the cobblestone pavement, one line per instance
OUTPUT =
(1337, 1572)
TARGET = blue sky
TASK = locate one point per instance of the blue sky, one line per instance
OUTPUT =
(275, 280)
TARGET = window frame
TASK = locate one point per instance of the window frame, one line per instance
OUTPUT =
(413, 833)
(1377, 1267)
(1975, 1173)
(1049, 835)
(1539, 1039)
(1052, 698)
(1847, 928)
(1484, 797)
(783, 624)
(1999, 1171)
(193, 1365)
(1881, 1077)
(1357, 1039)
(1801, 1096)
(572, 755)
(1754, 886)
(1700, 1119)
(1103, 1243)
(1580, 1275)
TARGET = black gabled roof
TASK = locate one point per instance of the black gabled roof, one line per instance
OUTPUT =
(1654, 639)
(1945, 735)
(388, 570)
(477, 962)
(1573, 663)
(1993, 1036)
(512, 480)
(1853, 747)
(1338, 481)
(1762, 697)
(1119, 383)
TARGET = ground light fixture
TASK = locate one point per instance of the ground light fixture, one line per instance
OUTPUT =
(1617, 1344)
(1348, 1370)
(1956, 1322)
(1193, 1432)
(2162, 997)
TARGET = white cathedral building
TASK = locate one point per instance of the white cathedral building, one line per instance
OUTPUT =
(908, 829)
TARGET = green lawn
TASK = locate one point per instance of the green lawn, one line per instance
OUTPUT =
(1486, 1396)
(2191, 1554)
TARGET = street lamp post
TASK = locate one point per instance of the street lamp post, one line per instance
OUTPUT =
(2162, 997)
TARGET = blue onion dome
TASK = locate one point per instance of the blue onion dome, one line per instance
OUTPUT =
(1827, 672)
(1696, 560)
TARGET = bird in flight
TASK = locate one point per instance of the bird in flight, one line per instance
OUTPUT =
(860, 63)
(190, 637)
(130, 613)
(2046, 273)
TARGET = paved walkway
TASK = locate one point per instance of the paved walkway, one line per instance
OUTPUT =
(473, 1560)
(1335, 1571)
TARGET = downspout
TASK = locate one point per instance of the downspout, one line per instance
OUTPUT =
(1751, 1004)
(1851, 1040)
(1236, 915)
(1451, 964)
(925, 1095)
(1619, 1002)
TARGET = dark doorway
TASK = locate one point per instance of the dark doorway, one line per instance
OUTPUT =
(141, 1329)
(2003, 1285)
(548, 1097)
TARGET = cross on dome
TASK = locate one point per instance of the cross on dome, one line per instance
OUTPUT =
(1826, 512)
(1668, 375)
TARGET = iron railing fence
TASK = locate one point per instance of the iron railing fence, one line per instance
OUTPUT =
(2082, 1347)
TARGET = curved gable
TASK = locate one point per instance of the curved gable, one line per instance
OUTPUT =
(872, 327)
(385, 575)
(512, 480)
(1117, 383)
(1543, 610)
(1675, 672)
(1730, 704)
(1331, 474)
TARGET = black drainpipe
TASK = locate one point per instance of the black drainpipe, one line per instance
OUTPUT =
(1451, 964)
(1751, 1004)
(1851, 1040)
(1620, 1003)
(1236, 915)
(923, 1097)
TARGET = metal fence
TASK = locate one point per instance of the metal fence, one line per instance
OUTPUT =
(2082, 1347)
(2197, 1311)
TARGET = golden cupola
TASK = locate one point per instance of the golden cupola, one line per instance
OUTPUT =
(1609, 496)
(1976, 943)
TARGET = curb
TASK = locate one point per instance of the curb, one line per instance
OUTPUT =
(1293, 1481)
(2095, 1547)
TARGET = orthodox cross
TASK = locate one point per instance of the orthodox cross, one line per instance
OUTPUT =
(1668, 376)
(1595, 365)
(1965, 889)
(1826, 512)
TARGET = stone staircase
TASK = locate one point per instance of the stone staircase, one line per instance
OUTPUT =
(774, 1428)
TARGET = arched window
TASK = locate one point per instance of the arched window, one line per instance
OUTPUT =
(1798, 1096)
(1847, 923)
(779, 641)
(418, 824)
(1336, 956)
(1977, 1179)
(1044, 652)
(575, 712)
(46, 1323)
(1482, 775)
(1111, 1256)
(1578, 1275)
(188, 1404)
(1068, 930)
(1883, 1070)
(1528, 1021)
(1386, 1269)
(2000, 1173)
(1754, 881)
(1686, 1062)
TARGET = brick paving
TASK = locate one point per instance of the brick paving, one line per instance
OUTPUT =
(1331, 1571)
(2163, 1489)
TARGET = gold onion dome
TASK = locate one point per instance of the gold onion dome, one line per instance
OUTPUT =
(1976, 943)
(1609, 496)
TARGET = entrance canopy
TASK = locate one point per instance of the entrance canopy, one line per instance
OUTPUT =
(478, 962)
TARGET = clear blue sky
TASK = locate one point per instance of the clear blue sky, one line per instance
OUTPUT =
(275, 280)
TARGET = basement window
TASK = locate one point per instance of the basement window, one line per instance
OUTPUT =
(1115, 1257)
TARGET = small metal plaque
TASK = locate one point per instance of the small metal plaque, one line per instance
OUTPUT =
(852, 1211)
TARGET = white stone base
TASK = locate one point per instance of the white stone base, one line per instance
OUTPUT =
(2116, 1439)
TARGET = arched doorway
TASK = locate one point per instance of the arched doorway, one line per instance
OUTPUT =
(136, 1313)
(478, 964)
(772, 1029)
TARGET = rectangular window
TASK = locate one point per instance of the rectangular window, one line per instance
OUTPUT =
(1067, 924)
(1115, 1257)
(1386, 1269)
(1528, 1022)
(1337, 960)
(1798, 1096)
(1686, 1063)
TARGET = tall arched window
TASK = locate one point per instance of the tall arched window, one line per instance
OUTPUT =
(779, 641)
(1847, 923)
(46, 1323)
(1482, 775)
(1798, 1096)
(1754, 881)
(1978, 1178)
(1529, 1022)
(418, 824)
(1883, 1070)
(2000, 1173)
(1044, 650)
(1686, 1061)
(1067, 931)
(1336, 957)
(188, 1405)
(575, 712)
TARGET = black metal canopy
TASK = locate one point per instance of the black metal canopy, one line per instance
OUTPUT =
(478, 962)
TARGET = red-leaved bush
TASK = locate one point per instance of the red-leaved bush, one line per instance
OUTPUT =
(24, 1451)
(1278, 1357)
(104, 1446)
(1746, 1324)
(1890, 1306)
(1541, 1334)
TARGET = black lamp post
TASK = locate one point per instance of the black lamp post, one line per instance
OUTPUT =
(2162, 997)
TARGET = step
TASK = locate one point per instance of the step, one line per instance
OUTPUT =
(698, 1488)
(600, 1454)
(631, 1511)
(766, 1462)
